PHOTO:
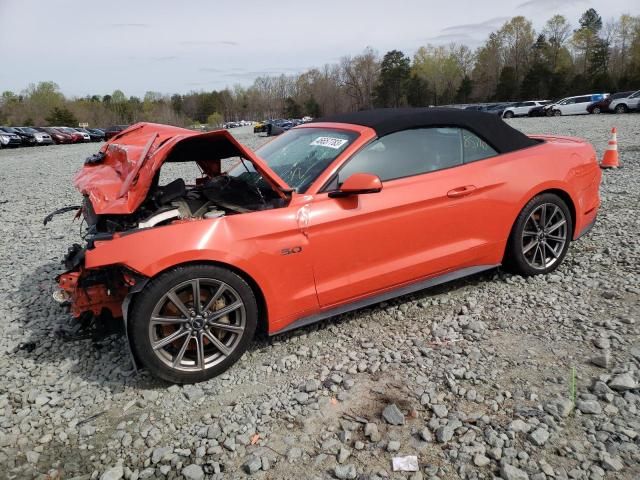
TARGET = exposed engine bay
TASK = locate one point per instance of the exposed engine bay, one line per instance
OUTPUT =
(209, 197)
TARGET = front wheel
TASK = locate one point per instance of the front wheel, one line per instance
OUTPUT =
(540, 237)
(508, 114)
(193, 322)
(622, 108)
(596, 110)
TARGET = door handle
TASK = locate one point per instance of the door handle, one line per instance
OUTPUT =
(461, 191)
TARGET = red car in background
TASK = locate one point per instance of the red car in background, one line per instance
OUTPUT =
(331, 216)
(76, 136)
(56, 135)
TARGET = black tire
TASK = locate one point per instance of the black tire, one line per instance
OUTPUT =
(508, 114)
(146, 302)
(596, 110)
(622, 108)
(516, 259)
(557, 113)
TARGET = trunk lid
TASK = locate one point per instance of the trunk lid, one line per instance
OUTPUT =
(117, 178)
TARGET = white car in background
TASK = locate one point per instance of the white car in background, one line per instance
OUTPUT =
(623, 105)
(522, 109)
(574, 105)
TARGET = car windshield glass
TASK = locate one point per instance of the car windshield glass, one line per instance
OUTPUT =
(297, 156)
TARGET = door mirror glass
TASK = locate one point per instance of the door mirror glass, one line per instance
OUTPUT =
(357, 184)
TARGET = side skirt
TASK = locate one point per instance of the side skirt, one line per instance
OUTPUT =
(365, 302)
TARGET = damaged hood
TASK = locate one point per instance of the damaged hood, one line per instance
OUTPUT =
(117, 178)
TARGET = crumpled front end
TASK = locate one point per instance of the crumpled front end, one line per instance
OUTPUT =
(123, 196)
(92, 291)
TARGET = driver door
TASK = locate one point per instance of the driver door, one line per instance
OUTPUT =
(417, 226)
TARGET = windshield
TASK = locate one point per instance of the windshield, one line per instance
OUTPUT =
(298, 156)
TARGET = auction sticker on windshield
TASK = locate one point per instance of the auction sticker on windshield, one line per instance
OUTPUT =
(330, 142)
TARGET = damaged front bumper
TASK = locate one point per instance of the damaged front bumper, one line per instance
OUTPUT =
(93, 292)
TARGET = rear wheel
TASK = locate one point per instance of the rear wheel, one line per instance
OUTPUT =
(192, 323)
(596, 110)
(540, 237)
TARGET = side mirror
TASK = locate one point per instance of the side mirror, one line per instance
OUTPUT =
(357, 184)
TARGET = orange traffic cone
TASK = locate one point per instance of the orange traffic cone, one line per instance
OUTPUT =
(610, 158)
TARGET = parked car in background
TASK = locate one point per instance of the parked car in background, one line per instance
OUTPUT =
(76, 136)
(540, 111)
(576, 105)
(603, 105)
(93, 137)
(57, 136)
(27, 140)
(278, 126)
(522, 109)
(260, 127)
(498, 108)
(626, 104)
(113, 130)
(97, 132)
(9, 139)
(41, 138)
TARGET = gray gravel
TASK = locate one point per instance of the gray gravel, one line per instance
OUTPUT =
(480, 370)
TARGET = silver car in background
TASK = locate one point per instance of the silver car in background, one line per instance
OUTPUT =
(41, 138)
(626, 104)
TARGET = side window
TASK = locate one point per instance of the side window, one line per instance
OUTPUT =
(407, 153)
(528, 104)
(585, 99)
(475, 148)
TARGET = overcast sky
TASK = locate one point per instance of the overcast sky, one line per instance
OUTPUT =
(178, 46)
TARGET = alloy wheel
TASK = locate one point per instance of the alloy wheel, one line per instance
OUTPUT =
(197, 324)
(544, 236)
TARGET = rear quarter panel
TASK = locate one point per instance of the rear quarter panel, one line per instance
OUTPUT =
(568, 164)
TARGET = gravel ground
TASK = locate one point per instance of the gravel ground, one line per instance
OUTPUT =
(474, 377)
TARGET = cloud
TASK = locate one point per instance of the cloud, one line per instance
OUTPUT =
(451, 37)
(479, 27)
(205, 43)
(550, 4)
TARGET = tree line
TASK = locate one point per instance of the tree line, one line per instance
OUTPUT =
(514, 63)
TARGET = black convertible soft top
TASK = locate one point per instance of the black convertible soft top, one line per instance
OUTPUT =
(489, 127)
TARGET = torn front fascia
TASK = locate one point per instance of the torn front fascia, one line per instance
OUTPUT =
(97, 290)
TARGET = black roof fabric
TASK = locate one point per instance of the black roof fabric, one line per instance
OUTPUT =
(489, 127)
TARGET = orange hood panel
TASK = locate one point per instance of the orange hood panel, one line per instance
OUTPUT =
(119, 181)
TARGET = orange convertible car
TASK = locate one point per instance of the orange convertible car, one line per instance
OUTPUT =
(331, 216)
